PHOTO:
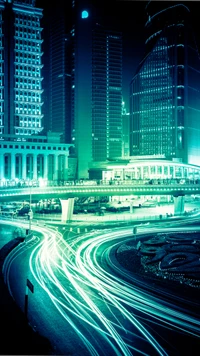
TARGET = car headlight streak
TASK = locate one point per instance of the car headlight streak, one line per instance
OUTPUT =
(72, 274)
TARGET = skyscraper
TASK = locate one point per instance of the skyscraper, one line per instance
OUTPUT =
(20, 68)
(165, 91)
(25, 154)
(57, 70)
(96, 87)
(106, 94)
(89, 60)
(83, 80)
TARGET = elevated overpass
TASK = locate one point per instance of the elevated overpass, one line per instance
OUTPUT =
(68, 193)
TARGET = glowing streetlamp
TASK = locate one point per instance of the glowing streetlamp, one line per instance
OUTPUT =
(30, 214)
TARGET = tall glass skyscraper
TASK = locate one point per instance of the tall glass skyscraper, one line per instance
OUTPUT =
(165, 91)
(96, 87)
(106, 94)
(57, 70)
(20, 68)
(83, 80)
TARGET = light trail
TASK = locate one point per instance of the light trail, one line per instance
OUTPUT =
(76, 277)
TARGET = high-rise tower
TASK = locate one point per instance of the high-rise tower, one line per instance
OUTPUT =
(165, 92)
(96, 87)
(83, 80)
(57, 69)
(25, 154)
(20, 68)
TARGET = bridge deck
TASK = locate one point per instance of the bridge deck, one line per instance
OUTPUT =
(65, 192)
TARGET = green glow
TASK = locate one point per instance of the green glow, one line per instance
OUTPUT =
(84, 14)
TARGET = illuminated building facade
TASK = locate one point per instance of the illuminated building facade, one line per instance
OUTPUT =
(143, 169)
(20, 63)
(32, 159)
(96, 88)
(106, 94)
(165, 91)
(24, 153)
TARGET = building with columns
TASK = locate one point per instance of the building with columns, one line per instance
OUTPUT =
(144, 168)
(33, 159)
(25, 155)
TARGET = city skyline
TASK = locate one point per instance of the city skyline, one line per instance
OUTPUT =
(95, 85)
(114, 268)
(130, 17)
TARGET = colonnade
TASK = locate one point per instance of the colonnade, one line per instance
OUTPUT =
(25, 165)
(149, 171)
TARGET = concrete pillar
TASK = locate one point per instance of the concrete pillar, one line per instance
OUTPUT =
(67, 206)
(65, 168)
(12, 166)
(178, 205)
(55, 175)
(30, 173)
(174, 172)
(2, 166)
(182, 172)
(34, 166)
(148, 172)
(141, 172)
(45, 176)
(131, 207)
(136, 172)
(168, 171)
(18, 159)
(23, 166)
(156, 171)
(41, 165)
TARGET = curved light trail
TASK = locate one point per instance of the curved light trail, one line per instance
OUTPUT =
(112, 315)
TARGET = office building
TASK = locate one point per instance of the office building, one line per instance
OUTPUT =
(165, 91)
(57, 70)
(83, 81)
(33, 158)
(20, 76)
(96, 87)
(24, 153)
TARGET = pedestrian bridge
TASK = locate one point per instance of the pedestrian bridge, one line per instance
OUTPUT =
(68, 193)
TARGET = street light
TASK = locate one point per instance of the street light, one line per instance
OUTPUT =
(30, 214)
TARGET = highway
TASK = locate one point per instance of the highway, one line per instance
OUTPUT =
(88, 305)
(65, 192)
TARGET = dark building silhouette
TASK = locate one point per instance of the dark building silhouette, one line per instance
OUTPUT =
(57, 70)
(83, 81)
(96, 86)
(165, 91)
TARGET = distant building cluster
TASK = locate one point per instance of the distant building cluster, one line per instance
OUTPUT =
(61, 89)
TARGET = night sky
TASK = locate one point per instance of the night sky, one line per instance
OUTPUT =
(129, 17)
